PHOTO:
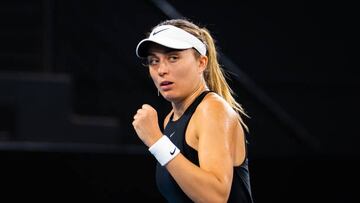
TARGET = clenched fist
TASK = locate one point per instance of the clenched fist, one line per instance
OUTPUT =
(146, 125)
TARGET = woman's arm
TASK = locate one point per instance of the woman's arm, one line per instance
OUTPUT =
(215, 127)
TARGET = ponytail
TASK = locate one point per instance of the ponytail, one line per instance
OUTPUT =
(214, 77)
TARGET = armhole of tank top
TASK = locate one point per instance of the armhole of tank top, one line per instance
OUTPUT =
(194, 110)
(245, 144)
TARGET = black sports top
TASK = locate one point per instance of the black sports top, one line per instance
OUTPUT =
(175, 130)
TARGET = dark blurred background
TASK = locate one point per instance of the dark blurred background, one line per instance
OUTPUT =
(70, 84)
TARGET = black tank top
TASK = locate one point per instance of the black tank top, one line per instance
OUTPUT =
(175, 130)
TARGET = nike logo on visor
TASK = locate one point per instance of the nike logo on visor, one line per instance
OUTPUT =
(159, 31)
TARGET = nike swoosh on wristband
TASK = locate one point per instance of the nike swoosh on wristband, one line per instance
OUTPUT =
(173, 152)
(159, 31)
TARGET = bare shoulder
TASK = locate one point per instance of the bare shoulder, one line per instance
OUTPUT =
(215, 107)
(213, 103)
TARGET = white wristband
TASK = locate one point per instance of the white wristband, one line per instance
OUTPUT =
(164, 150)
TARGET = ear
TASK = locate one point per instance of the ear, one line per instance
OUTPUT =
(203, 61)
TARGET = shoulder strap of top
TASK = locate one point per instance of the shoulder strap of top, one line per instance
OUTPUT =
(190, 110)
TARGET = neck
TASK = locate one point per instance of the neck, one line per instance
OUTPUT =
(180, 106)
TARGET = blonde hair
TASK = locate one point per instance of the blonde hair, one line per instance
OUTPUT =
(214, 75)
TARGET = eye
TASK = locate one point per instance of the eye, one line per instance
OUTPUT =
(151, 61)
(173, 58)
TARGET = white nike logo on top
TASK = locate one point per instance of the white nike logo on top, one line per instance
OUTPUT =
(172, 134)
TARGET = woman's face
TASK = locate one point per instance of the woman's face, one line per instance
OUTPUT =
(176, 73)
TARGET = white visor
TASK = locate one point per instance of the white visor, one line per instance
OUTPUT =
(171, 37)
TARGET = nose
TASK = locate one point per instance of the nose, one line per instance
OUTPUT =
(163, 68)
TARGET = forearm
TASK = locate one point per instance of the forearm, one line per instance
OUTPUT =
(198, 184)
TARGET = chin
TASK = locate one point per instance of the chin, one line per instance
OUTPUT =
(169, 96)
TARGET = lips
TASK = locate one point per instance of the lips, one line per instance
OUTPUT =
(166, 85)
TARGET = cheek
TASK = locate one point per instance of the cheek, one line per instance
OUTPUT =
(187, 69)
(189, 73)
(186, 77)
(181, 72)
